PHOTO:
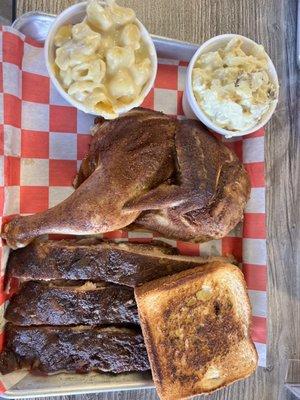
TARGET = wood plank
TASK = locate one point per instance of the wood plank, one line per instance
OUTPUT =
(274, 25)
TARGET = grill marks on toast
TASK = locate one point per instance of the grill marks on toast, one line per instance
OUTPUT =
(203, 321)
(203, 334)
(196, 326)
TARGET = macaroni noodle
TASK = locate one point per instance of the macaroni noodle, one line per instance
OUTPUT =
(102, 61)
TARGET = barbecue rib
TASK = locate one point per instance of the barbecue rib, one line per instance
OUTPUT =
(72, 303)
(92, 259)
(170, 176)
(73, 349)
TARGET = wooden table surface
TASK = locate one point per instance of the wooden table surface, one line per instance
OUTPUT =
(272, 23)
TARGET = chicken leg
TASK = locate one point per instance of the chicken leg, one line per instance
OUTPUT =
(128, 157)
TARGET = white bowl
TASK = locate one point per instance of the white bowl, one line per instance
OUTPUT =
(192, 109)
(74, 15)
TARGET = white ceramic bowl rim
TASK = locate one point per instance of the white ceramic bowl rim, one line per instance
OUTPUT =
(196, 108)
(60, 20)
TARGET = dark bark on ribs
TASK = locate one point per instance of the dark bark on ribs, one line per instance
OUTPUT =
(73, 349)
(72, 303)
(125, 264)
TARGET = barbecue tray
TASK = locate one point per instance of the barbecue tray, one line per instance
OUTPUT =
(36, 25)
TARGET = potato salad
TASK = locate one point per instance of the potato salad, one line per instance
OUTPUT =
(233, 88)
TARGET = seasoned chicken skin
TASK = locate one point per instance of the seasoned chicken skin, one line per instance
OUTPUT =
(151, 170)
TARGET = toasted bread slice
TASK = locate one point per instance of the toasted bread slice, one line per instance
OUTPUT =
(196, 326)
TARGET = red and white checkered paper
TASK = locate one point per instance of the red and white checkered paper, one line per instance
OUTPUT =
(43, 140)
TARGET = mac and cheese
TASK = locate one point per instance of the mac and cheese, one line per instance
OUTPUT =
(103, 61)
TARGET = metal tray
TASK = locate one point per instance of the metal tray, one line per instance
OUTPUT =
(36, 25)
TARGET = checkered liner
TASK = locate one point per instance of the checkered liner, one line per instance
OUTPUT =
(43, 141)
